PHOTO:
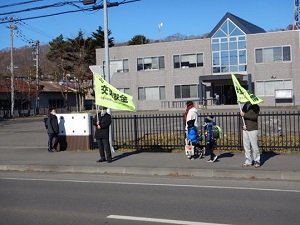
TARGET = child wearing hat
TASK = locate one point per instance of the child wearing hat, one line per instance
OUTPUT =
(209, 140)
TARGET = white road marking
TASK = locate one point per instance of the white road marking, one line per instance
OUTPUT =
(152, 184)
(155, 220)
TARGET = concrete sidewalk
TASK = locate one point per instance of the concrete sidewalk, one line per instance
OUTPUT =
(229, 165)
(23, 147)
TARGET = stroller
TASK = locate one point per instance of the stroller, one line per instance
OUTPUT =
(194, 150)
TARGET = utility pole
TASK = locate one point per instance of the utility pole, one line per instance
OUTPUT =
(12, 28)
(37, 97)
(296, 25)
(107, 69)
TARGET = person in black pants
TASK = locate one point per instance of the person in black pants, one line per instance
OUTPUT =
(102, 122)
(53, 130)
(209, 139)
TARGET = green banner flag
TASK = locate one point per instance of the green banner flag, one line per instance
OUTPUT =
(242, 94)
(108, 96)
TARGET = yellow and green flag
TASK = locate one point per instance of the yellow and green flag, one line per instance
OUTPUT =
(108, 96)
(244, 95)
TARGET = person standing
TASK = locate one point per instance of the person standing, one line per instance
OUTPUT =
(190, 114)
(102, 121)
(217, 99)
(191, 124)
(250, 134)
(53, 130)
(209, 139)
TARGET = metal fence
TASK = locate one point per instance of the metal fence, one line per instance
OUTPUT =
(277, 131)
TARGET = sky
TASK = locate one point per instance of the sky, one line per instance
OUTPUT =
(186, 17)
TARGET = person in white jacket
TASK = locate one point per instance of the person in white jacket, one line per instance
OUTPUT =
(190, 114)
(191, 122)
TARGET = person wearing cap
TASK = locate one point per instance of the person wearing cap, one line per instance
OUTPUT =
(102, 122)
(209, 139)
(250, 134)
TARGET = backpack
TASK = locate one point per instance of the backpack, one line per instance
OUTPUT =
(216, 132)
(46, 122)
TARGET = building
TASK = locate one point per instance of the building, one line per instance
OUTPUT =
(51, 94)
(266, 63)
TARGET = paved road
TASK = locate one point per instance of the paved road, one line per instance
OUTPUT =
(23, 148)
(59, 198)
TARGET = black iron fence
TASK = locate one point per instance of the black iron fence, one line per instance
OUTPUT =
(165, 132)
(277, 131)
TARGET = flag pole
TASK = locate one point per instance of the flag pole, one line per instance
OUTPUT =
(97, 111)
(239, 105)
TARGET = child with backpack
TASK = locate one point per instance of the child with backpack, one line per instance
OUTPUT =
(191, 127)
(210, 137)
(194, 138)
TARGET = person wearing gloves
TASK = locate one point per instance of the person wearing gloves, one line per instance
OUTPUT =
(209, 139)
(102, 122)
(250, 134)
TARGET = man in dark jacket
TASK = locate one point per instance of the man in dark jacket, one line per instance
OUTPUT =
(250, 134)
(53, 130)
(102, 122)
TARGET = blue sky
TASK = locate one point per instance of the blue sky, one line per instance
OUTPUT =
(187, 17)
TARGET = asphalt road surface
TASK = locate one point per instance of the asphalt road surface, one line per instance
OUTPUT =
(49, 198)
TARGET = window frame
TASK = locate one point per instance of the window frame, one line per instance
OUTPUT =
(123, 70)
(179, 87)
(268, 54)
(266, 88)
(179, 63)
(142, 96)
(152, 63)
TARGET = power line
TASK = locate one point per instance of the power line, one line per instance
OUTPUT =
(54, 14)
(20, 3)
(59, 4)
(72, 11)
(29, 27)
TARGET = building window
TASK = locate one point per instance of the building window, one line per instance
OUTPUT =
(152, 93)
(268, 87)
(124, 90)
(119, 65)
(188, 60)
(151, 63)
(186, 91)
(229, 49)
(274, 54)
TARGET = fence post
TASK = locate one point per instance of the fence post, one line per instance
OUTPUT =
(135, 131)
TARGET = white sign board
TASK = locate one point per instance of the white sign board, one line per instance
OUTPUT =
(76, 124)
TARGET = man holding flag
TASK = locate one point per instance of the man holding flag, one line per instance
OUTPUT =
(249, 114)
(107, 96)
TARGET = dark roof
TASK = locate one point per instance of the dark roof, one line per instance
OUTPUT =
(245, 26)
(21, 86)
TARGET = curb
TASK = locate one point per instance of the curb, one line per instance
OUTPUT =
(204, 173)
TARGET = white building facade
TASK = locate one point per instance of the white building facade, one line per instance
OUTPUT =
(265, 63)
